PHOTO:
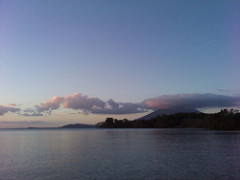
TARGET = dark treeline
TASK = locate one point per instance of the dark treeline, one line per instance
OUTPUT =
(223, 120)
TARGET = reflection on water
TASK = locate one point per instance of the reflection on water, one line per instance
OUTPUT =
(119, 154)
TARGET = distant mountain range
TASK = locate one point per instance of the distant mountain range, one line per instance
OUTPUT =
(161, 112)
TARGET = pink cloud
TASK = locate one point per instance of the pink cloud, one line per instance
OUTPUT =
(88, 105)
(191, 101)
(50, 105)
(12, 104)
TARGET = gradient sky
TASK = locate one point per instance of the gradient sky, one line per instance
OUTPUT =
(128, 51)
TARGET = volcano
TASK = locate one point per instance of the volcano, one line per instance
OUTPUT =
(161, 112)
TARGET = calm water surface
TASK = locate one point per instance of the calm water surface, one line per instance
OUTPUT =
(119, 154)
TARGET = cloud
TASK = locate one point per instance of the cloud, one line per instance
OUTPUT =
(33, 114)
(224, 90)
(191, 101)
(5, 109)
(88, 105)
(233, 92)
(29, 110)
(12, 104)
(97, 106)
(79, 101)
(119, 108)
(50, 105)
(24, 122)
(113, 104)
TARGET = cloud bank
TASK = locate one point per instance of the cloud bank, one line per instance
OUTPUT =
(88, 104)
(192, 101)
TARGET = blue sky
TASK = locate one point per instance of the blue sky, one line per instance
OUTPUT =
(128, 51)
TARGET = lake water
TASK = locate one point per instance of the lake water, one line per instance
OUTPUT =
(119, 154)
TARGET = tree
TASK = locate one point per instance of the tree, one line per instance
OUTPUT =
(109, 120)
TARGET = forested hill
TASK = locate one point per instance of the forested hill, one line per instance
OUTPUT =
(223, 120)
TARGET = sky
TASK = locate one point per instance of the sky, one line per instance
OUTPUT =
(74, 61)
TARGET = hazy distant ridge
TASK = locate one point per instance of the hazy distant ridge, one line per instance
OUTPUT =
(77, 126)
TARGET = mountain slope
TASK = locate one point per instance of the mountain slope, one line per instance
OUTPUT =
(161, 112)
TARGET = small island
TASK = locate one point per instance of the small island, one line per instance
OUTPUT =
(223, 120)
